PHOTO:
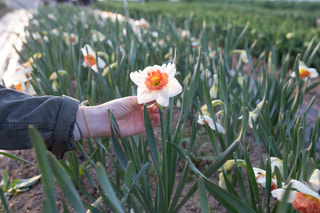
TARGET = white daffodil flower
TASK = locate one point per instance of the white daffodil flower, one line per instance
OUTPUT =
(90, 58)
(214, 88)
(205, 119)
(304, 198)
(227, 166)
(305, 72)
(70, 38)
(156, 83)
(276, 162)
(260, 175)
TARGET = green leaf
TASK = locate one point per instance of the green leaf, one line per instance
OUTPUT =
(45, 170)
(204, 204)
(107, 188)
(66, 184)
(228, 200)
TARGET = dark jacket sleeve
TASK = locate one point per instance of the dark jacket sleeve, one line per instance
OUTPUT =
(54, 117)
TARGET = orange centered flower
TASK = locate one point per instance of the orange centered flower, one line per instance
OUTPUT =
(273, 185)
(73, 39)
(18, 87)
(90, 60)
(306, 203)
(304, 73)
(156, 80)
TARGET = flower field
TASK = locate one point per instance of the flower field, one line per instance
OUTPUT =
(221, 95)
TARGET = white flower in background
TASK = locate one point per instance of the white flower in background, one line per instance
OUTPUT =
(154, 34)
(143, 23)
(55, 32)
(252, 118)
(185, 34)
(52, 17)
(228, 166)
(90, 58)
(70, 38)
(156, 83)
(276, 162)
(35, 23)
(97, 36)
(243, 55)
(290, 35)
(36, 36)
(205, 119)
(260, 175)
(305, 72)
(253, 115)
(214, 88)
(304, 198)
(240, 79)
(20, 79)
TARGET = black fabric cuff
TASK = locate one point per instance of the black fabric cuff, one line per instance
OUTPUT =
(63, 131)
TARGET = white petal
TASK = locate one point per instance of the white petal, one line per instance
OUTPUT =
(278, 194)
(87, 49)
(138, 78)
(171, 70)
(101, 63)
(144, 95)
(220, 128)
(313, 72)
(174, 87)
(94, 67)
(163, 98)
(301, 187)
(314, 180)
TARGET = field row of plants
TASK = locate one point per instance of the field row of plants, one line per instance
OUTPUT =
(289, 25)
(235, 98)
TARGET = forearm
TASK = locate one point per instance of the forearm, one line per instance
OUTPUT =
(94, 119)
(54, 117)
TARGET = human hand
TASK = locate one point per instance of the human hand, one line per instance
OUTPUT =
(129, 115)
(127, 112)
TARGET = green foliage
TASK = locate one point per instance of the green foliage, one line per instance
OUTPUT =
(257, 105)
(289, 25)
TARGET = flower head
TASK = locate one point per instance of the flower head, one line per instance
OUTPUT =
(260, 175)
(156, 83)
(205, 119)
(305, 72)
(90, 58)
(70, 38)
(304, 198)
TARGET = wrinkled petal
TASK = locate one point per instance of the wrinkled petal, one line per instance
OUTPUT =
(301, 187)
(279, 193)
(138, 78)
(306, 203)
(171, 70)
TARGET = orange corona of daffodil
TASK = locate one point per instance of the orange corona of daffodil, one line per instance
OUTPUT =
(156, 83)
(305, 72)
(91, 60)
(304, 198)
